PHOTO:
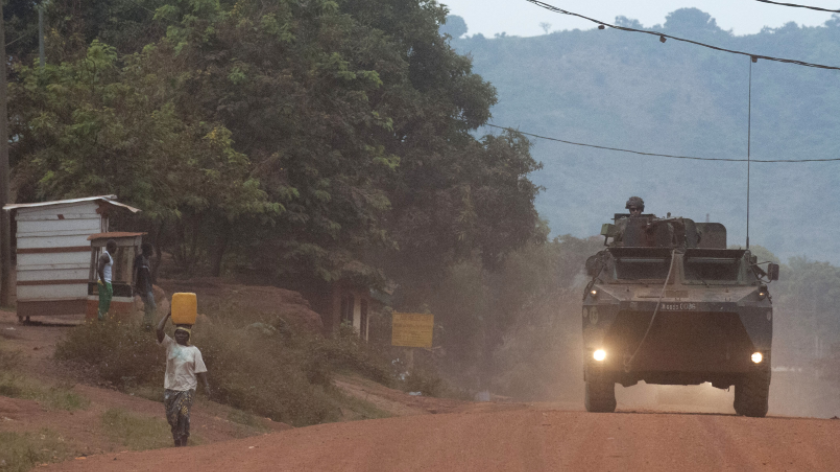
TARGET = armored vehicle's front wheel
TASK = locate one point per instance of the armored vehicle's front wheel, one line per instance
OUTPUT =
(600, 392)
(752, 393)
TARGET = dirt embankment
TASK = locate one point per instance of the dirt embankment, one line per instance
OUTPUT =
(212, 423)
(83, 428)
(216, 296)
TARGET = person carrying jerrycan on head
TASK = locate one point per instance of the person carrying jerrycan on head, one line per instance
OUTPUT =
(184, 365)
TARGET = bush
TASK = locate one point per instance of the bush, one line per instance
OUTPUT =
(121, 354)
(59, 397)
(267, 375)
(138, 433)
(9, 360)
(347, 351)
(266, 368)
(22, 452)
(276, 373)
(424, 382)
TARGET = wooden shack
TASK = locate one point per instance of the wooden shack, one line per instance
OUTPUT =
(53, 252)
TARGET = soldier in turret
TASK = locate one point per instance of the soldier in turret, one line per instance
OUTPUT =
(636, 206)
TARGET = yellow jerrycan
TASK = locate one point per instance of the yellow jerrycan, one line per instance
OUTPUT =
(184, 308)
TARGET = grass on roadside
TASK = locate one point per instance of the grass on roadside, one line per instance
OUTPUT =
(21, 452)
(14, 384)
(139, 433)
(247, 425)
(58, 397)
(246, 419)
(357, 409)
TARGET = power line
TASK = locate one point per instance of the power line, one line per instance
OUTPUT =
(663, 37)
(798, 6)
(654, 154)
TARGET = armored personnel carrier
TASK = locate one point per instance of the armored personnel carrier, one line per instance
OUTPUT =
(669, 304)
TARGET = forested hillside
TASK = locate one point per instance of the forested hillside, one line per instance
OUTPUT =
(621, 89)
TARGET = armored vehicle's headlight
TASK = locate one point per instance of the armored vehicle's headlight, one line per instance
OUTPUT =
(594, 293)
(757, 357)
(599, 355)
(762, 292)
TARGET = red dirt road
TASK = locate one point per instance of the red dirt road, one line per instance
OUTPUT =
(520, 440)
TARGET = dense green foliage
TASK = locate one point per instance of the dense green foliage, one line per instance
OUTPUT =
(307, 141)
(628, 90)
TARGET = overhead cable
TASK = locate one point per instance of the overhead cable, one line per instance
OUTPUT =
(798, 6)
(654, 154)
(662, 37)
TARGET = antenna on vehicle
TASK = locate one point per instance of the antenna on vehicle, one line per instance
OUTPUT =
(749, 131)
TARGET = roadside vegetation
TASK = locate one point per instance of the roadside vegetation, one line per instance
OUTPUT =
(16, 384)
(20, 452)
(266, 371)
(139, 433)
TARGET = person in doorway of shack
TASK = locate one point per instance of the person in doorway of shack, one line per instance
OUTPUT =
(143, 284)
(184, 366)
(104, 269)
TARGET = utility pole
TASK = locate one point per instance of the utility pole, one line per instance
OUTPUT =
(41, 35)
(5, 227)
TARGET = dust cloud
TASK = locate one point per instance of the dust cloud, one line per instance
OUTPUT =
(548, 368)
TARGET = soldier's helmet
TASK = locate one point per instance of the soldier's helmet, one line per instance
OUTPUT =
(635, 202)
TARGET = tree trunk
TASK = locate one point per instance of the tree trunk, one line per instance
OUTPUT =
(5, 217)
(158, 251)
(222, 238)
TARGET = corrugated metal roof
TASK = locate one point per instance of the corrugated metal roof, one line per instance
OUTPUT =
(114, 234)
(110, 199)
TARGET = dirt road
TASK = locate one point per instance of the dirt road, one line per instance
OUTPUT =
(531, 439)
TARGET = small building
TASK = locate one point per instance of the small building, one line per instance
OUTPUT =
(53, 252)
(344, 303)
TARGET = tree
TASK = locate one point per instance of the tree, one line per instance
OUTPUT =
(454, 26)
(329, 127)
(690, 19)
(92, 127)
(357, 117)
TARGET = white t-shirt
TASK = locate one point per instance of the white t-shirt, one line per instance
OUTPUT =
(182, 363)
(107, 270)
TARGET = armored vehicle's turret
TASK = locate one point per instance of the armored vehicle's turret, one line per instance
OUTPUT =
(675, 233)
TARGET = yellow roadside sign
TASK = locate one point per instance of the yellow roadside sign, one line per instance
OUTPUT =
(412, 329)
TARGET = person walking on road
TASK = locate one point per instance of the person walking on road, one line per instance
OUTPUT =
(184, 366)
(143, 284)
(104, 269)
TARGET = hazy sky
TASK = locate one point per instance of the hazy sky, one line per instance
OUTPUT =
(520, 18)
